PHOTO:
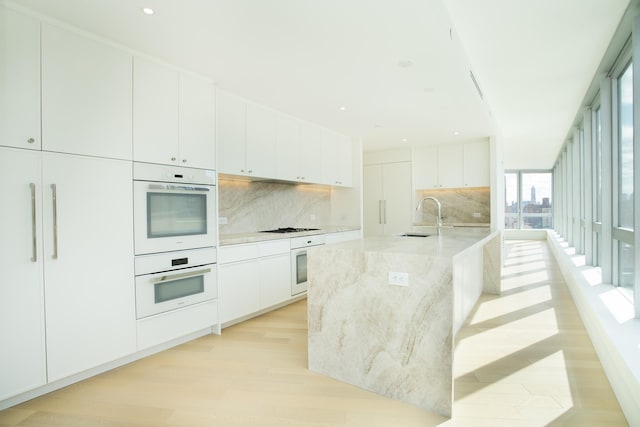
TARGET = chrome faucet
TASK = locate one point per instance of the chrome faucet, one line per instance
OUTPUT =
(439, 217)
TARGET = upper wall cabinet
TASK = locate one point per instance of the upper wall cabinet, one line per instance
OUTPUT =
(86, 95)
(246, 137)
(476, 164)
(451, 166)
(298, 149)
(19, 80)
(337, 158)
(173, 116)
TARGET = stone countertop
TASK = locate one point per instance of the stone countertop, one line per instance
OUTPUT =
(450, 243)
(238, 238)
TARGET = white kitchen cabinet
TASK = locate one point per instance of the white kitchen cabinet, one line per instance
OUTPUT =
(387, 199)
(155, 112)
(246, 137)
(86, 95)
(21, 288)
(476, 164)
(450, 166)
(425, 168)
(88, 262)
(337, 158)
(275, 279)
(310, 153)
(197, 122)
(174, 116)
(19, 80)
(298, 150)
(253, 277)
(261, 141)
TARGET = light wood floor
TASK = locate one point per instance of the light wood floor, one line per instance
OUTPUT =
(522, 359)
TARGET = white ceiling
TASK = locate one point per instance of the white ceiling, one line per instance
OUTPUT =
(400, 68)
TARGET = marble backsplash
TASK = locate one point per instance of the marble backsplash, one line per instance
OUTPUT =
(458, 206)
(253, 206)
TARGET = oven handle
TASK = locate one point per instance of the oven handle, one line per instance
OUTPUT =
(176, 187)
(171, 278)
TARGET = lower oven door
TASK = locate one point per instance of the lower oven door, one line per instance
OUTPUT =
(298, 271)
(160, 292)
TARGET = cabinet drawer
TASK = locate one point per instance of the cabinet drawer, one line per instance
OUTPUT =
(165, 327)
(235, 253)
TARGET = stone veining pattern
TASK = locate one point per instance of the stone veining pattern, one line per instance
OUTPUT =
(253, 206)
(458, 206)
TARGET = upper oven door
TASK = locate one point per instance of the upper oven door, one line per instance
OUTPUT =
(170, 217)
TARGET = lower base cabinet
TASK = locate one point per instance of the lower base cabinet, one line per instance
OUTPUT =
(253, 277)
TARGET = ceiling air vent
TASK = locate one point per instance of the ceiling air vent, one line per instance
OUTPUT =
(475, 82)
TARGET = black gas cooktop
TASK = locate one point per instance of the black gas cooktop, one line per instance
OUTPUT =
(289, 230)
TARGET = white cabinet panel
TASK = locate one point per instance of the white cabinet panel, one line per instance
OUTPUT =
(19, 80)
(337, 159)
(22, 359)
(387, 199)
(343, 236)
(261, 141)
(310, 155)
(197, 122)
(476, 164)
(89, 286)
(231, 133)
(450, 168)
(275, 279)
(238, 289)
(425, 168)
(86, 96)
(155, 112)
(287, 148)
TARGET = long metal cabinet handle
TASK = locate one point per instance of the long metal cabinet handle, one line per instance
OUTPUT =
(385, 211)
(379, 211)
(54, 200)
(171, 278)
(34, 247)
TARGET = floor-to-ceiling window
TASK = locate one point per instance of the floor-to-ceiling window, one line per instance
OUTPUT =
(528, 199)
(597, 184)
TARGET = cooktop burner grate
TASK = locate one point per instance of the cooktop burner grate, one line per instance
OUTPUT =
(289, 230)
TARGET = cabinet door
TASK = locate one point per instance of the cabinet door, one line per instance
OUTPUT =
(19, 80)
(344, 162)
(86, 96)
(373, 201)
(21, 292)
(450, 166)
(275, 279)
(238, 290)
(155, 112)
(231, 133)
(261, 141)
(476, 164)
(397, 209)
(425, 168)
(337, 157)
(310, 156)
(287, 148)
(89, 284)
(197, 123)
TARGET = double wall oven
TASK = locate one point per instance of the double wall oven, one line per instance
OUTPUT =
(175, 237)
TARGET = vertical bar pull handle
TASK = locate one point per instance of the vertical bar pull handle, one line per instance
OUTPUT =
(54, 199)
(34, 237)
(379, 211)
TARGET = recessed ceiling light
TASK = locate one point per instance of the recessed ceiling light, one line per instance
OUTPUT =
(456, 133)
(404, 139)
(148, 10)
(342, 108)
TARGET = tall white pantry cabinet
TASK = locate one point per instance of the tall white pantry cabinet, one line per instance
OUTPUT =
(66, 251)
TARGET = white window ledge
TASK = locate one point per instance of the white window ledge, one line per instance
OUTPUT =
(608, 317)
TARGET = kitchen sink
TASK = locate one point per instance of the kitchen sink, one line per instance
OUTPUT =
(416, 234)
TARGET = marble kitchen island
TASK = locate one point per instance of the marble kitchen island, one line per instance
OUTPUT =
(397, 340)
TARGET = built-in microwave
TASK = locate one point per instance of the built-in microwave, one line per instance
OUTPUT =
(174, 208)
